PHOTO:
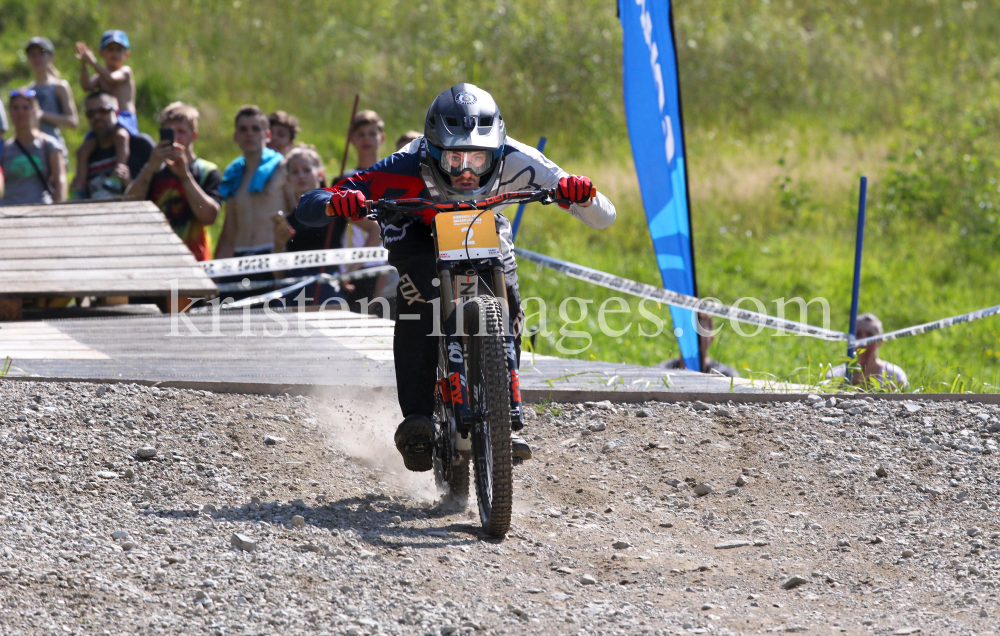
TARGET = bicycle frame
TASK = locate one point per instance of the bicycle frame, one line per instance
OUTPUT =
(453, 388)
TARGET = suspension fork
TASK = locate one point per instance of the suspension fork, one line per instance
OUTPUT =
(509, 347)
(454, 389)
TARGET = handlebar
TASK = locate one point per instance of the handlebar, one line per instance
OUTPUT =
(387, 210)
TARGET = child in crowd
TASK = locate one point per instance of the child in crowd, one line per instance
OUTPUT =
(184, 186)
(284, 129)
(407, 138)
(54, 94)
(305, 172)
(253, 189)
(115, 78)
(367, 135)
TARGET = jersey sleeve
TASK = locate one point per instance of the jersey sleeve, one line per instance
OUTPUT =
(211, 183)
(527, 169)
(395, 177)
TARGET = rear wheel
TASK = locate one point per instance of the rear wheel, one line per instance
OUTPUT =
(489, 391)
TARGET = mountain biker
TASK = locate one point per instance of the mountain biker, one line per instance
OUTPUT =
(464, 154)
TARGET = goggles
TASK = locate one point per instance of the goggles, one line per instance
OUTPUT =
(455, 162)
(23, 92)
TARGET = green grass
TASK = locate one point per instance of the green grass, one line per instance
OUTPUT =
(786, 104)
(914, 271)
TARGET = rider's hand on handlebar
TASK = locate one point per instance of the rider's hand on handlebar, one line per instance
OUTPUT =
(576, 189)
(346, 203)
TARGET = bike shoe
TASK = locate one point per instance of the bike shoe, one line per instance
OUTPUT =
(414, 439)
(519, 448)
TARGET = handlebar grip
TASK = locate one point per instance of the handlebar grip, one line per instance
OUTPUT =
(593, 191)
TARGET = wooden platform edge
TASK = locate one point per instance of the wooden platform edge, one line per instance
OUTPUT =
(530, 396)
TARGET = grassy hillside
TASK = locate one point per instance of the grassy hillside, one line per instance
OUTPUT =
(786, 104)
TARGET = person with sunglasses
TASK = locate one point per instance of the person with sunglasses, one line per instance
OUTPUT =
(465, 153)
(32, 161)
(103, 175)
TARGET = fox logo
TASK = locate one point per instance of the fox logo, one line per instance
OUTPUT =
(509, 350)
(456, 388)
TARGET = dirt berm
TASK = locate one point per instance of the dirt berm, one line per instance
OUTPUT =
(134, 510)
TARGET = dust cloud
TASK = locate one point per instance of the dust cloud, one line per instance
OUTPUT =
(361, 423)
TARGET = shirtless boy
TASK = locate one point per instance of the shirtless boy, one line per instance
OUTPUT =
(117, 79)
(252, 188)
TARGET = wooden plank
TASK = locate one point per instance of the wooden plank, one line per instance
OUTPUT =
(71, 209)
(139, 262)
(186, 287)
(8, 255)
(99, 231)
(109, 274)
(77, 220)
(157, 238)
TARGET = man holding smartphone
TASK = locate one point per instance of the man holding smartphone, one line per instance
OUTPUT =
(183, 186)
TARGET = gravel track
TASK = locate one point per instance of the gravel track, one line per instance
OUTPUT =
(132, 510)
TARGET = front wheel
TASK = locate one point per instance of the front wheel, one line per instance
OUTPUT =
(489, 392)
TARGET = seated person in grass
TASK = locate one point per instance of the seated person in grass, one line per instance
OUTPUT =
(253, 189)
(867, 368)
(706, 335)
(284, 129)
(116, 79)
(407, 138)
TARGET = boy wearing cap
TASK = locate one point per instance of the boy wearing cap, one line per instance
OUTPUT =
(114, 78)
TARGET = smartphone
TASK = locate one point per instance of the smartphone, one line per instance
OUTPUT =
(167, 134)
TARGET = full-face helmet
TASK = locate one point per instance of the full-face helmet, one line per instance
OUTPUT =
(464, 132)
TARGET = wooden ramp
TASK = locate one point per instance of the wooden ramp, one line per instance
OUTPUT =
(100, 249)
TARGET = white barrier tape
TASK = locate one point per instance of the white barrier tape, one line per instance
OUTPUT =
(675, 299)
(929, 326)
(264, 298)
(253, 285)
(292, 260)
(368, 272)
(329, 279)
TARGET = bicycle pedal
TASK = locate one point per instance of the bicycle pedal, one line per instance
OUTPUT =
(516, 461)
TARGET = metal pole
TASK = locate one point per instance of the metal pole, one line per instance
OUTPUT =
(858, 248)
(520, 208)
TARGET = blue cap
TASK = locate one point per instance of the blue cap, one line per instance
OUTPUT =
(115, 36)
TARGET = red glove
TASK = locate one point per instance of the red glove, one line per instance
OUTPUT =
(576, 189)
(348, 203)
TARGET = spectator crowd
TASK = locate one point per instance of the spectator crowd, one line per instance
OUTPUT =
(257, 191)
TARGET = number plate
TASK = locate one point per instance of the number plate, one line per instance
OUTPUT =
(459, 238)
(466, 287)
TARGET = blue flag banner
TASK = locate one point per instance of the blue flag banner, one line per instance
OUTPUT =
(653, 110)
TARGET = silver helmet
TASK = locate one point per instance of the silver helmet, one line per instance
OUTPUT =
(463, 132)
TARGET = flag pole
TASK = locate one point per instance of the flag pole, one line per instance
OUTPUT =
(858, 248)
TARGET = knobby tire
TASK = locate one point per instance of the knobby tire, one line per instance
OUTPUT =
(489, 390)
